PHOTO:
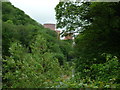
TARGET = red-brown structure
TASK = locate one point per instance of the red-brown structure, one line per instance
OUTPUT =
(52, 27)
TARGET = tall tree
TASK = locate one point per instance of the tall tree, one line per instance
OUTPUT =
(98, 27)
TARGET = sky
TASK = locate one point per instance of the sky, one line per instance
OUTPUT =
(40, 10)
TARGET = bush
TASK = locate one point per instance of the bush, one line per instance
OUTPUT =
(30, 70)
(108, 71)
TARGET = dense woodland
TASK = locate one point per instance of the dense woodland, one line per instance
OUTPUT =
(33, 56)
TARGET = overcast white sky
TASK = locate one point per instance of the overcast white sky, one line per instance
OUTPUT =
(40, 10)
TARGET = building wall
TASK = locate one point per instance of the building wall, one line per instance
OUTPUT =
(50, 26)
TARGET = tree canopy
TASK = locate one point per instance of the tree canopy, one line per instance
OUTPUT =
(98, 25)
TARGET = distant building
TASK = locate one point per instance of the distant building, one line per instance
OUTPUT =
(52, 27)
(68, 36)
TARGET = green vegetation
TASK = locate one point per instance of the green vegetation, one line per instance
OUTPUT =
(33, 56)
(97, 45)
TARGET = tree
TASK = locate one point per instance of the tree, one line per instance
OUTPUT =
(98, 27)
(34, 68)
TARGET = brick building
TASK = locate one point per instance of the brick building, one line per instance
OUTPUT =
(53, 27)
(50, 26)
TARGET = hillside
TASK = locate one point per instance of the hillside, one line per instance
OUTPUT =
(33, 56)
(29, 48)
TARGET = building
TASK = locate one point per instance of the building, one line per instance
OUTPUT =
(68, 36)
(52, 27)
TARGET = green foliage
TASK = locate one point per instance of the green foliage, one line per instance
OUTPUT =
(60, 57)
(99, 32)
(67, 49)
(31, 68)
(16, 15)
(33, 57)
(108, 71)
(96, 22)
(67, 16)
(34, 68)
(12, 32)
(105, 75)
